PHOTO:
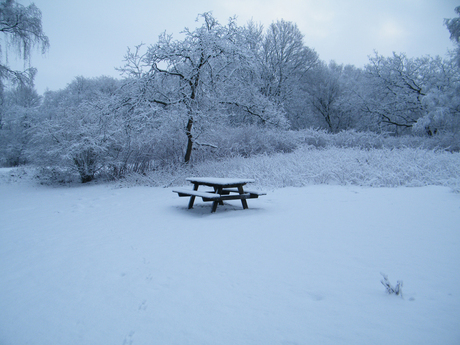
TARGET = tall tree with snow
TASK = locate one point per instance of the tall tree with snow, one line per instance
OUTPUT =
(286, 62)
(202, 77)
(21, 31)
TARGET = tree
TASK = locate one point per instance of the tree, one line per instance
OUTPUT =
(22, 29)
(20, 112)
(201, 78)
(453, 25)
(285, 62)
(442, 99)
(332, 95)
(412, 94)
(324, 92)
(79, 130)
(24, 96)
(285, 57)
(396, 87)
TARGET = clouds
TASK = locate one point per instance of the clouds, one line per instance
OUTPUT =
(90, 37)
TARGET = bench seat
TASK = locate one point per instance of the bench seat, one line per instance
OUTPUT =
(211, 196)
(254, 194)
(205, 195)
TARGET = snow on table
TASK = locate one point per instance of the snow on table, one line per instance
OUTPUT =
(219, 181)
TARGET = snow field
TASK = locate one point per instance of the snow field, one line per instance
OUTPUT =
(95, 264)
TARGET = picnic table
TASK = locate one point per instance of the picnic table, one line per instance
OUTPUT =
(223, 189)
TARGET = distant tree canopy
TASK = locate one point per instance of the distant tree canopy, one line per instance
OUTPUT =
(218, 91)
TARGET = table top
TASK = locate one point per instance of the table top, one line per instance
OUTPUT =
(219, 181)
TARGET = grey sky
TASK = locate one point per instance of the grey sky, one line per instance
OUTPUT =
(90, 37)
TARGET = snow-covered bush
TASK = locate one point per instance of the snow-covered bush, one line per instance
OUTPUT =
(77, 139)
(250, 140)
(449, 141)
(307, 165)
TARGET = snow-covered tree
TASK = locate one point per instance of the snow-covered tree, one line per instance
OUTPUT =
(453, 25)
(442, 99)
(396, 87)
(286, 61)
(20, 113)
(78, 129)
(201, 78)
(22, 30)
(412, 93)
(332, 97)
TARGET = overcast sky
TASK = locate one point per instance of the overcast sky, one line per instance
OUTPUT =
(90, 37)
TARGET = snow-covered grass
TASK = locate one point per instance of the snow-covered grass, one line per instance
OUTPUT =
(100, 264)
(307, 165)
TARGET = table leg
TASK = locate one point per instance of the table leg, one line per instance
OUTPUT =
(214, 206)
(243, 201)
(192, 198)
(218, 190)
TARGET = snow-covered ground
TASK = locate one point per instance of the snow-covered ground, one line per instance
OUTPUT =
(95, 264)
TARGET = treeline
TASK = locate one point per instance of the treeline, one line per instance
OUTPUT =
(223, 90)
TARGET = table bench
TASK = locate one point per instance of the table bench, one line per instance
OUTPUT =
(223, 189)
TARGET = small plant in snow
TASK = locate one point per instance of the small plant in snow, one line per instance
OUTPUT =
(397, 290)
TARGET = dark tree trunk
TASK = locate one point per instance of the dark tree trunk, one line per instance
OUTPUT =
(188, 151)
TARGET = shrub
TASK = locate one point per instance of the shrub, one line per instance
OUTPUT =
(397, 290)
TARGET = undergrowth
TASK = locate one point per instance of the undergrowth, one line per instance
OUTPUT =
(307, 165)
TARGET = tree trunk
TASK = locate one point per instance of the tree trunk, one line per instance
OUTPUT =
(188, 151)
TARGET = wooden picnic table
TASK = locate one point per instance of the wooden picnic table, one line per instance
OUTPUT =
(223, 189)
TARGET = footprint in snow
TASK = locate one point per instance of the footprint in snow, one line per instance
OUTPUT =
(143, 305)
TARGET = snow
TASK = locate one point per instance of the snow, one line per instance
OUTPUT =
(95, 264)
(220, 180)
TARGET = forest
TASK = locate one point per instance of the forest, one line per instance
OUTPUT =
(222, 91)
